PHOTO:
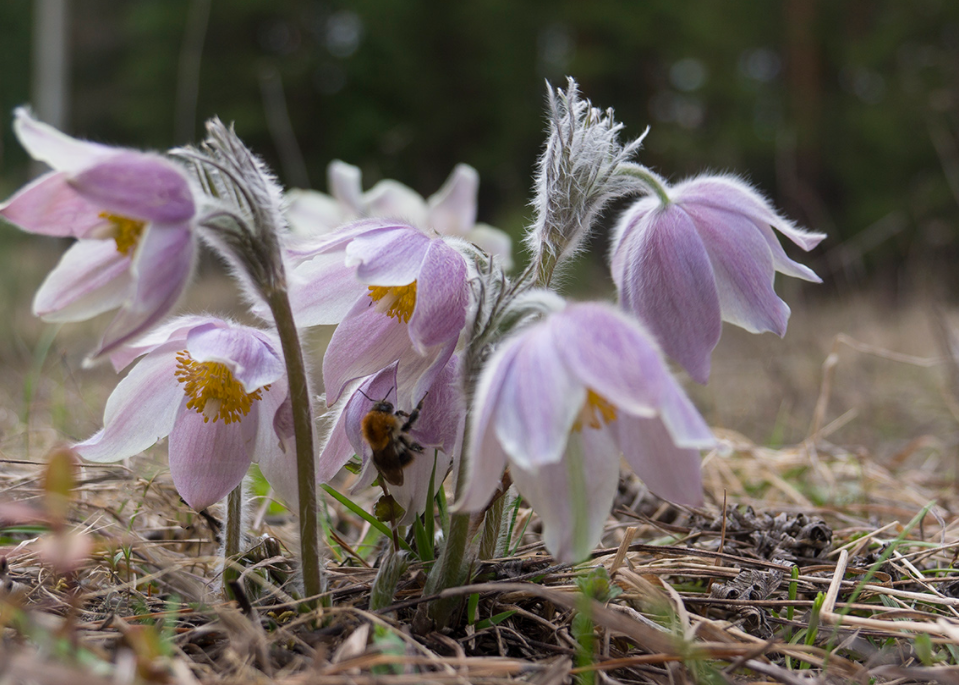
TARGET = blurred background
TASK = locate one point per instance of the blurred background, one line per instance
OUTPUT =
(843, 112)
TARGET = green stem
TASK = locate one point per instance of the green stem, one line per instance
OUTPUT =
(232, 535)
(313, 579)
(650, 178)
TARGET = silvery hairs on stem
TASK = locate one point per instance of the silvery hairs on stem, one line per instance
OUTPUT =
(583, 167)
(244, 220)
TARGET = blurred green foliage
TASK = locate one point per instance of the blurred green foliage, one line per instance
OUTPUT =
(844, 112)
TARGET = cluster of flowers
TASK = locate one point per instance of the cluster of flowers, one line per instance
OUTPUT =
(507, 372)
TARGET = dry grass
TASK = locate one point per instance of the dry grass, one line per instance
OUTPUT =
(857, 499)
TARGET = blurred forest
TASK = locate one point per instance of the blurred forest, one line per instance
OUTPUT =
(843, 111)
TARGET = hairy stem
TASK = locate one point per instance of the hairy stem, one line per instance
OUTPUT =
(649, 178)
(232, 535)
(314, 582)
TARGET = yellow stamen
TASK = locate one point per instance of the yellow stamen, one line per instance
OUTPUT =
(125, 231)
(396, 301)
(213, 391)
(596, 412)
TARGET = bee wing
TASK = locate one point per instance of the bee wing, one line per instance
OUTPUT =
(390, 462)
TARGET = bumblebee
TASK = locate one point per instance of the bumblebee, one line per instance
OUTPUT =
(387, 432)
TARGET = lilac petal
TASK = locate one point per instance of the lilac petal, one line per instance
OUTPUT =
(138, 185)
(612, 355)
(667, 281)
(538, 401)
(310, 213)
(60, 151)
(452, 210)
(173, 332)
(336, 450)
(494, 242)
(208, 460)
(444, 408)
(743, 266)
(345, 184)
(632, 217)
(161, 269)
(253, 362)
(388, 258)
(323, 289)
(393, 200)
(487, 456)
(782, 263)
(276, 452)
(570, 532)
(365, 342)
(731, 194)
(298, 249)
(442, 295)
(683, 421)
(416, 372)
(49, 206)
(140, 411)
(670, 472)
(91, 278)
(414, 492)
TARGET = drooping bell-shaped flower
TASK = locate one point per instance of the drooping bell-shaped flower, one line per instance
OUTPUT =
(131, 213)
(560, 401)
(706, 256)
(219, 390)
(438, 429)
(397, 294)
(451, 211)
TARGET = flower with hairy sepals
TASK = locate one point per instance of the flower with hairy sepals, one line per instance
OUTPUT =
(219, 390)
(451, 211)
(132, 214)
(439, 429)
(397, 294)
(708, 255)
(559, 401)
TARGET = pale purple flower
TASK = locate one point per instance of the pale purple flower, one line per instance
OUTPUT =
(438, 430)
(397, 294)
(709, 255)
(451, 211)
(560, 401)
(219, 390)
(132, 215)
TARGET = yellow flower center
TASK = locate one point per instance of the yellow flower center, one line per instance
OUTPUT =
(125, 231)
(396, 301)
(596, 412)
(213, 391)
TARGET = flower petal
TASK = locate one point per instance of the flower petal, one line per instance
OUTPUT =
(276, 452)
(323, 289)
(732, 194)
(91, 278)
(345, 184)
(49, 206)
(665, 278)
(613, 355)
(251, 360)
(173, 332)
(452, 210)
(494, 242)
(743, 266)
(442, 295)
(538, 401)
(137, 185)
(670, 472)
(414, 492)
(390, 199)
(161, 269)
(388, 258)
(47, 144)
(208, 460)
(140, 411)
(311, 213)
(683, 421)
(573, 497)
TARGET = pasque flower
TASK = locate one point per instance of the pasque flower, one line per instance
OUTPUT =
(131, 213)
(559, 401)
(707, 255)
(397, 294)
(451, 211)
(219, 390)
(438, 429)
